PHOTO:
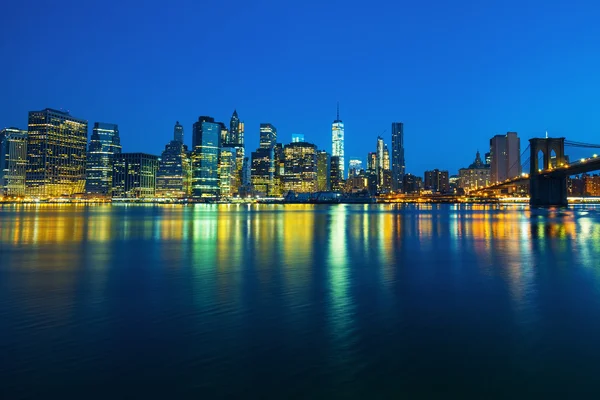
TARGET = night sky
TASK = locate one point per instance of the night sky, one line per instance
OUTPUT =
(455, 72)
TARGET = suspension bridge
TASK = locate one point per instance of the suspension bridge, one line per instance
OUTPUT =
(549, 170)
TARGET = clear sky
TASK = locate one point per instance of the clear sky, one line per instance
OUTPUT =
(455, 72)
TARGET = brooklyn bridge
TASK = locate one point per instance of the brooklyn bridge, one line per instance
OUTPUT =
(548, 170)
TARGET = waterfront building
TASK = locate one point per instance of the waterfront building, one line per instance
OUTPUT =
(134, 175)
(398, 164)
(357, 182)
(56, 154)
(337, 143)
(323, 171)
(591, 184)
(261, 174)
(13, 162)
(297, 137)
(205, 158)
(576, 186)
(300, 167)
(104, 144)
(335, 174)
(475, 176)
(228, 172)
(505, 155)
(174, 175)
(412, 184)
(234, 139)
(437, 181)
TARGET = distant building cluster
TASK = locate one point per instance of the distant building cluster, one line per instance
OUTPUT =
(53, 159)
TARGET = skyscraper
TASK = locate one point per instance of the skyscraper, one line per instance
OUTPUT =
(398, 164)
(335, 175)
(236, 131)
(235, 141)
(337, 142)
(300, 167)
(354, 167)
(228, 181)
(173, 178)
(205, 158)
(268, 135)
(505, 154)
(178, 132)
(56, 153)
(134, 175)
(323, 171)
(379, 162)
(13, 162)
(104, 144)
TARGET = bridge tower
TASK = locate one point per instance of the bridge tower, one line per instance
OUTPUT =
(545, 188)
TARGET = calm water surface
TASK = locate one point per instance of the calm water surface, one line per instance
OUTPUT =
(299, 301)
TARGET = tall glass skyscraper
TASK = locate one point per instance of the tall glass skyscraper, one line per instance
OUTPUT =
(56, 154)
(300, 168)
(268, 135)
(205, 158)
(13, 162)
(337, 142)
(134, 175)
(104, 144)
(398, 164)
(236, 131)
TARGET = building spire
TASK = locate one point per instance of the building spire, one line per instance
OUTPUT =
(338, 111)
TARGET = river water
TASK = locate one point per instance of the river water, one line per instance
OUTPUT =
(299, 301)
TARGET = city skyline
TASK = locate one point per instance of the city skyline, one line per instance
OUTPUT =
(445, 78)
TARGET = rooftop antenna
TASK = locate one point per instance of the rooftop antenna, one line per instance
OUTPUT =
(546, 134)
(338, 111)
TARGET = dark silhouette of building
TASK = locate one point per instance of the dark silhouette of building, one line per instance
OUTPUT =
(437, 181)
(398, 163)
(134, 175)
(335, 174)
(411, 184)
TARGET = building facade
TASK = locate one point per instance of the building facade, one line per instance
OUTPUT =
(398, 164)
(297, 137)
(437, 181)
(323, 171)
(56, 154)
(475, 176)
(412, 184)
(335, 174)
(174, 175)
(505, 155)
(355, 165)
(13, 162)
(268, 135)
(205, 158)
(300, 168)
(337, 144)
(262, 171)
(134, 175)
(104, 144)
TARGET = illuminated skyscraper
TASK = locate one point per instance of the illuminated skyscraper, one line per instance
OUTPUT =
(398, 164)
(268, 135)
(205, 158)
(323, 171)
(56, 154)
(337, 142)
(104, 144)
(354, 167)
(235, 141)
(297, 137)
(13, 162)
(236, 131)
(300, 167)
(379, 161)
(134, 175)
(178, 132)
(261, 174)
(228, 181)
(173, 178)
(335, 176)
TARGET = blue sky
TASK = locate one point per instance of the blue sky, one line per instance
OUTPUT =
(455, 72)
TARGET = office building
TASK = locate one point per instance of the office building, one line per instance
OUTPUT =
(56, 154)
(323, 171)
(398, 164)
(591, 184)
(335, 174)
(337, 143)
(268, 136)
(505, 154)
(488, 158)
(174, 175)
(228, 180)
(475, 176)
(411, 184)
(178, 132)
(300, 167)
(134, 175)
(13, 162)
(355, 165)
(236, 131)
(225, 137)
(261, 175)
(437, 181)
(104, 144)
(297, 137)
(205, 158)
